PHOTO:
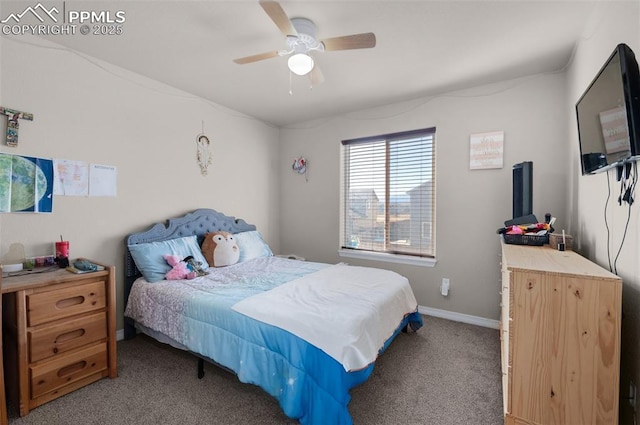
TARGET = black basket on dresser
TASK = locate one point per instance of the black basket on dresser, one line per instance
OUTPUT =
(534, 240)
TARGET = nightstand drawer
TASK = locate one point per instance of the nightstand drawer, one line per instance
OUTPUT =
(57, 339)
(47, 306)
(65, 370)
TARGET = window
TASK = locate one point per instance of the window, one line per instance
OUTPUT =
(388, 194)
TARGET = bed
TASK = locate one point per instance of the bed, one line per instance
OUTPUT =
(305, 332)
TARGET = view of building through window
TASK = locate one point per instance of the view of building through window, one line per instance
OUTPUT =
(389, 193)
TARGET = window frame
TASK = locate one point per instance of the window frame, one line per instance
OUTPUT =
(395, 257)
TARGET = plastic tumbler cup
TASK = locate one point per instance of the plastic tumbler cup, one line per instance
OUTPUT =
(62, 249)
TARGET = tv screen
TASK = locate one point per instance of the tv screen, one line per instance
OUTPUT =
(522, 189)
(608, 114)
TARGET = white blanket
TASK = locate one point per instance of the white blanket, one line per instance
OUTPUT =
(346, 311)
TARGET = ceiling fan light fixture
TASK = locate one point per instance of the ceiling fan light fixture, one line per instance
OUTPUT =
(300, 63)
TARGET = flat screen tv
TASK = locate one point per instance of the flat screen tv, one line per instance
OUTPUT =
(608, 114)
(522, 189)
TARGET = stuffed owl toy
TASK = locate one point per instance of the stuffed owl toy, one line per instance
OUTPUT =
(220, 249)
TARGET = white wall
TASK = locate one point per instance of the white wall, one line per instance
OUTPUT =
(611, 24)
(87, 110)
(471, 205)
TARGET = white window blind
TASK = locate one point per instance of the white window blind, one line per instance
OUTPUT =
(388, 193)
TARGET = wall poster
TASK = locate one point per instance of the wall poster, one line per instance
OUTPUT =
(486, 150)
(26, 184)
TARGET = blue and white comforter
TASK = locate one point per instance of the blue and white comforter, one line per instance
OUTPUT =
(309, 384)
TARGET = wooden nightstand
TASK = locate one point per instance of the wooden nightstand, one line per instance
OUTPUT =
(58, 333)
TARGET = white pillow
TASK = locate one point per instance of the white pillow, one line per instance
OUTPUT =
(252, 245)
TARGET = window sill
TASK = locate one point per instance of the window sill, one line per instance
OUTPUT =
(390, 258)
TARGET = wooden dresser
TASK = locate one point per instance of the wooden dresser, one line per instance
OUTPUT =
(58, 333)
(560, 338)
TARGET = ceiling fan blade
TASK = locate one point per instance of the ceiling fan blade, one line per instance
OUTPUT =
(316, 76)
(278, 16)
(347, 42)
(256, 58)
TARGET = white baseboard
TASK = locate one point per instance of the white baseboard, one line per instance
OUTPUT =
(459, 317)
(119, 334)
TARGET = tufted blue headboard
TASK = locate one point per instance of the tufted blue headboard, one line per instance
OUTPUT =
(199, 223)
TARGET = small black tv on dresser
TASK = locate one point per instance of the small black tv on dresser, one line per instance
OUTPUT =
(522, 189)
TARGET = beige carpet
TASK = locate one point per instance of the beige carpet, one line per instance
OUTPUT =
(446, 373)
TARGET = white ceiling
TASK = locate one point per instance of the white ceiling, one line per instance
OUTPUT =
(423, 48)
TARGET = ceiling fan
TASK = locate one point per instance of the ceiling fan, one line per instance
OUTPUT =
(301, 40)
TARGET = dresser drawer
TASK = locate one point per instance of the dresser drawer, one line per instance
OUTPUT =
(57, 339)
(67, 369)
(47, 306)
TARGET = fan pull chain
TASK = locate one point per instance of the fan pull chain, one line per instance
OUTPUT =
(290, 89)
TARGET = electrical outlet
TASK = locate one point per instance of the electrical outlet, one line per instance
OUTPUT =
(632, 395)
(444, 287)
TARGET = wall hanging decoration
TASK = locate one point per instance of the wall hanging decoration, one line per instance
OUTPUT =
(300, 166)
(70, 177)
(203, 152)
(26, 184)
(103, 180)
(79, 178)
(486, 150)
(12, 124)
